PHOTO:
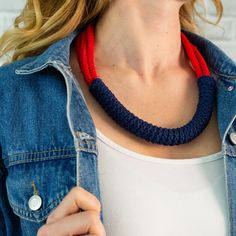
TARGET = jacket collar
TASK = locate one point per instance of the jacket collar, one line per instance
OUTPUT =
(218, 62)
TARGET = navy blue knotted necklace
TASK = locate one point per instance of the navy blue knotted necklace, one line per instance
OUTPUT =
(165, 136)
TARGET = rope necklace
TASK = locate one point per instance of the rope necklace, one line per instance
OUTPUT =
(84, 45)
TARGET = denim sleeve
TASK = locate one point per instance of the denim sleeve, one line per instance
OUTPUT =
(9, 222)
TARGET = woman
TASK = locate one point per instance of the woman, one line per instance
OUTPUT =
(72, 164)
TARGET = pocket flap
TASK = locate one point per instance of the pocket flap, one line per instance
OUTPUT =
(49, 178)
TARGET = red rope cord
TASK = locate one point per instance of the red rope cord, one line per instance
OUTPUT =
(85, 54)
(202, 62)
(191, 55)
(90, 37)
(81, 52)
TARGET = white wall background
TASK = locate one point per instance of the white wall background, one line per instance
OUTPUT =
(224, 39)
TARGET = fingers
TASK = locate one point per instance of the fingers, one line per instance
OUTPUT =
(86, 222)
(68, 219)
(78, 198)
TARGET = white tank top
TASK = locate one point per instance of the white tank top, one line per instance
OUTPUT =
(149, 196)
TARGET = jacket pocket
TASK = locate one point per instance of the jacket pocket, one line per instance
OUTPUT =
(47, 175)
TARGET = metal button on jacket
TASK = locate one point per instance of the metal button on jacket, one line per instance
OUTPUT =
(230, 88)
(233, 137)
(35, 202)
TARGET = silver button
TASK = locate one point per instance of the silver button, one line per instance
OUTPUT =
(230, 88)
(233, 137)
(35, 202)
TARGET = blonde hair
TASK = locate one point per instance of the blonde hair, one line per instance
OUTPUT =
(41, 23)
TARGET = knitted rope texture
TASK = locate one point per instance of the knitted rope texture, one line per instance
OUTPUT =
(150, 132)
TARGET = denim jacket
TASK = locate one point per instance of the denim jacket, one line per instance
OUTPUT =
(48, 138)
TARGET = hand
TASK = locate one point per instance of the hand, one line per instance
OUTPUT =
(69, 219)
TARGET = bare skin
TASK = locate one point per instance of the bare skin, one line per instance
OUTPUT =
(148, 71)
(68, 219)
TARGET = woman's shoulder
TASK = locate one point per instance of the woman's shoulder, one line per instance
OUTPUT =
(56, 52)
(8, 72)
(217, 59)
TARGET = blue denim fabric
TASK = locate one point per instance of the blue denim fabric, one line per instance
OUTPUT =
(47, 135)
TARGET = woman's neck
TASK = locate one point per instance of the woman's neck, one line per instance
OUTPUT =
(140, 35)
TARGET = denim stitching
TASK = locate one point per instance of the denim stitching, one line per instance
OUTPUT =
(50, 150)
(87, 150)
(30, 160)
(224, 75)
(29, 215)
